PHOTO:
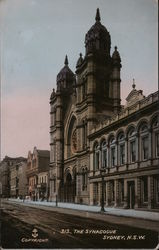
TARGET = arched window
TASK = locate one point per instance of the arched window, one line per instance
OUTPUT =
(121, 148)
(112, 152)
(144, 142)
(96, 157)
(132, 145)
(104, 154)
(155, 136)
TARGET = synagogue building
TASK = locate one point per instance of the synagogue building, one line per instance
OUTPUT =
(98, 147)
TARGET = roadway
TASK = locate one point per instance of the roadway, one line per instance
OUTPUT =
(36, 227)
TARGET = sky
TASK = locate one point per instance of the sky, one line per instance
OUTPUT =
(35, 37)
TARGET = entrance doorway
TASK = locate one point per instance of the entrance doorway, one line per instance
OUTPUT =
(131, 194)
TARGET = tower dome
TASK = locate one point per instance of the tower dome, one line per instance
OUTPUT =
(65, 77)
(98, 38)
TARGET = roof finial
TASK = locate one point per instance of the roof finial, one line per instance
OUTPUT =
(97, 16)
(66, 60)
(133, 85)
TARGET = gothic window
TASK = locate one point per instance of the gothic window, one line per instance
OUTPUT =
(104, 154)
(74, 141)
(84, 134)
(96, 157)
(84, 179)
(71, 138)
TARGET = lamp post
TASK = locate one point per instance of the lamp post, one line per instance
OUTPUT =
(102, 172)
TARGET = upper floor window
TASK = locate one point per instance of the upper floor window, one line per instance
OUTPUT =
(112, 151)
(84, 179)
(145, 147)
(133, 151)
(112, 156)
(104, 154)
(96, 157)
(132, 145)
(122, 154)
(155, 136)
(144, 142)
(84, 134)
(157, 144)
(121, 143)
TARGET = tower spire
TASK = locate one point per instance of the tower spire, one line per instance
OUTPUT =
(97, 15)
(66, 61)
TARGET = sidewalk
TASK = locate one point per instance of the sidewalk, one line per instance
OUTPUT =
(147, 215)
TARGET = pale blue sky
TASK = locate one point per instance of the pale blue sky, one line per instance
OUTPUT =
(36, 36)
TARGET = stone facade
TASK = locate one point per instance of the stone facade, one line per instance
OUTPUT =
(90, 130)
(37, 165)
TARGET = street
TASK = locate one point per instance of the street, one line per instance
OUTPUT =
(29, 227)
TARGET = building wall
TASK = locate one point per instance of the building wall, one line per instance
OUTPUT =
(134, 183)
(37, 163)
(23, 184)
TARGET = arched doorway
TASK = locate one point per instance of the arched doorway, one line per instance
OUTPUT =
(69, 189)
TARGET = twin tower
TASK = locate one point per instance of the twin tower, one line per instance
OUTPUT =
(80, 102)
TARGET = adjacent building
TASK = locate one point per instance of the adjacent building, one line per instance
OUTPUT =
(9, 175)
(96, 144)
(18, 180)
(37, 174)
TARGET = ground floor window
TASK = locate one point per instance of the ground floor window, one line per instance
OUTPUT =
(145, 189)
(156, 188)
(95, 193)
(112, 191)
(121, 190)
